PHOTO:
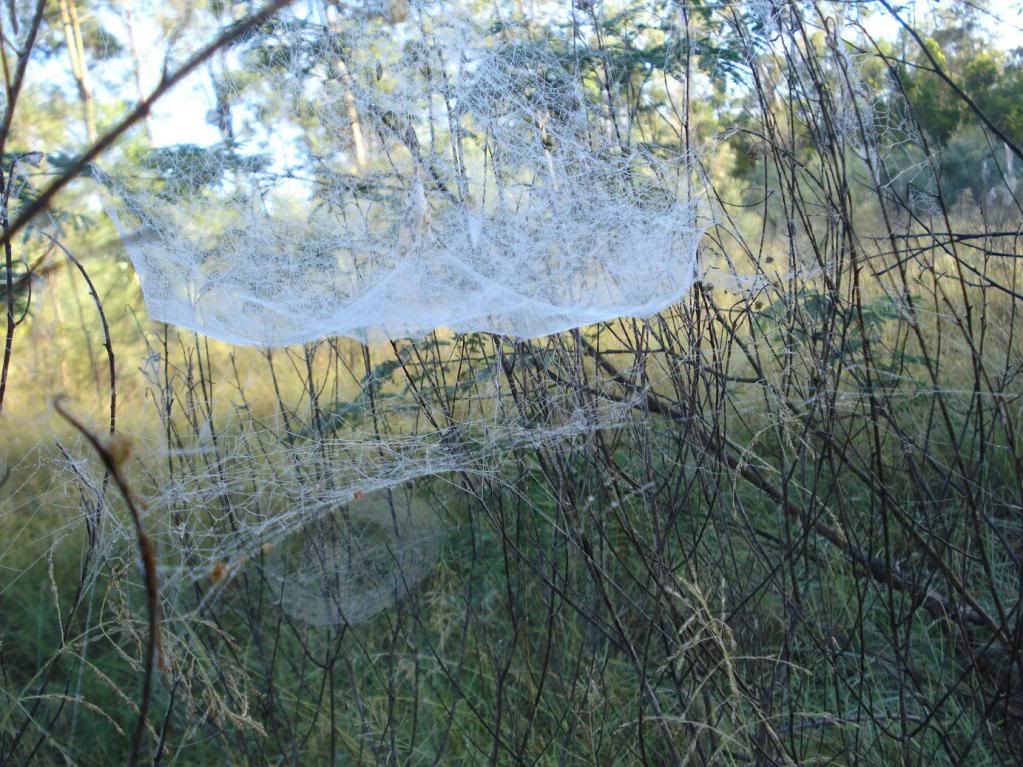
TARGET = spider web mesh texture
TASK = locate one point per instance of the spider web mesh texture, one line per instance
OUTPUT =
(347, 568)
(339, 527)
(389, 179)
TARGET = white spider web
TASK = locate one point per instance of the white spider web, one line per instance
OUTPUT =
(430, 173)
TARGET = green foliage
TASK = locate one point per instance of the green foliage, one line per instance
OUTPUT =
(935, 107)
(992, 78)
(186, 168)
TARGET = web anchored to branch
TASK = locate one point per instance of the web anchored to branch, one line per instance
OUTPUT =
(383, 180)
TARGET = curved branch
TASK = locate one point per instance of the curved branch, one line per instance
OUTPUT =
(232, 34)
(112, 460)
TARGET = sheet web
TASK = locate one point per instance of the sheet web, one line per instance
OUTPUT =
(386, 179)
(382, 178)
(343, 519)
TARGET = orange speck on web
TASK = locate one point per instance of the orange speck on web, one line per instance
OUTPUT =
(359, 495)
(219, 571)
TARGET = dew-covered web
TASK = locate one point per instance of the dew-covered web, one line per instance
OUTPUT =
(382, 176)
(343, 526)
(348, 567)
(393, 178)
(495, 528)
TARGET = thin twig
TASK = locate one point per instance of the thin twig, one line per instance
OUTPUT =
(231, 35)
(113, 460)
